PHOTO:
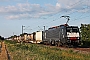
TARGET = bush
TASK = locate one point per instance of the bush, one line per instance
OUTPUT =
(86, 44)
(10, 42)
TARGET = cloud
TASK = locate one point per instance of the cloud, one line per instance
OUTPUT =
(58, 5)
(26, 10)
(74, 5)
(21, 10)
(68, 3)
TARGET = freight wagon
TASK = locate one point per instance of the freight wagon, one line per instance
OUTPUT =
(36, 37)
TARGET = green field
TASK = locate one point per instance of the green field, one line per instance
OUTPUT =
(27, 51)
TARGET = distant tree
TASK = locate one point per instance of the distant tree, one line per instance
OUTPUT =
(15, 36)
(1, 38)
(23, 34)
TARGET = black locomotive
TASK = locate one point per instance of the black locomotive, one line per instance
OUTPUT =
(63, 35)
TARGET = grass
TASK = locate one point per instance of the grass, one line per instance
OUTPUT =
(26, 51)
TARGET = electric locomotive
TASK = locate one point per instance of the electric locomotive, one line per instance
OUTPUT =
(63, 35)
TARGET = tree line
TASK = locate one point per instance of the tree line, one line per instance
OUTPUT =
(85, 34)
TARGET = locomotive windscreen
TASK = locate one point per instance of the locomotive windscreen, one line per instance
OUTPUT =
(72, 29)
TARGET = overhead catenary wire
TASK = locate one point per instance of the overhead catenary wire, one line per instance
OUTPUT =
(83, 13)
(74, 11)
(80, 18)
(71, 5)
(77, 3)
(44, 24)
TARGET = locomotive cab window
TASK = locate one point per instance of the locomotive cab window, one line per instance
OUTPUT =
(72, 29)
(69, 29)
(75, 30)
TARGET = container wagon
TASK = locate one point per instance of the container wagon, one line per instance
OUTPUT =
(37, 37)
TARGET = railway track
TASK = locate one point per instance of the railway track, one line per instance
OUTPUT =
(4, 53)
(84, 50)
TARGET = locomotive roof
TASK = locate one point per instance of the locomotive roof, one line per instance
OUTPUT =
(59, 26)
(73, 26)
(63, 25)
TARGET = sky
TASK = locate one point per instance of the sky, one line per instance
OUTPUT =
(35, 14)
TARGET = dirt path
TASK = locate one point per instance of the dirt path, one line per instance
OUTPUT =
(3, 54)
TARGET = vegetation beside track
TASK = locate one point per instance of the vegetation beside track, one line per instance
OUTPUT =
(85, 34)
(27, 51)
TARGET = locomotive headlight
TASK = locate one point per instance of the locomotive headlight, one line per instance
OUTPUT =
(68, 34)
(78, 38)
(68, 38)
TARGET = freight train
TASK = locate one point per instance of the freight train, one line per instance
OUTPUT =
(62, 35)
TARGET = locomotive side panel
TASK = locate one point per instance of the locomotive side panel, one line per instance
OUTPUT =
(63, 35)
(52, 35)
